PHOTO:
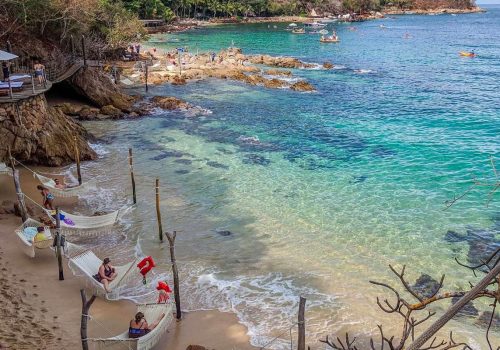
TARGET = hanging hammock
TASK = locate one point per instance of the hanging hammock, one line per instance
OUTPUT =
(151, 313)
(71, 223)
(28, 245)
(87, 263)
(66, 192)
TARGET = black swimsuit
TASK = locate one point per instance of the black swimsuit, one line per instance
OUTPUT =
(107, 273)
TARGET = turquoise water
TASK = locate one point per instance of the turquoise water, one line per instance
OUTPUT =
(322, 191)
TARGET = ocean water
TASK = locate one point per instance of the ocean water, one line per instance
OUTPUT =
(277, 194)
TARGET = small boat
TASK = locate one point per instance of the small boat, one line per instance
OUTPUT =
(299, 31)
(314, 25)
(330, 39)
(467, 54)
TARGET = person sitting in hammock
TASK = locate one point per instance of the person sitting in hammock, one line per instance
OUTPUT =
(106, 274)
(139, 326)
(48, 198)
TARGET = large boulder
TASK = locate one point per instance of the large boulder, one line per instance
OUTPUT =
(97, 87)
(39, 134)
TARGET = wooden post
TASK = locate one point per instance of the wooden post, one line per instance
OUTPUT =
(175, 272)
(9, 46)
(84, 52)
(72, 43)
(58, 246)
(19, 192)
(77, 159)
(180, 62)
(10, 88)
(146, 72)
(301, 344)
(158, 214)
(130, 162)
(85, 312)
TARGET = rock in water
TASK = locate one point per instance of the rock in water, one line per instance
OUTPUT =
(302, 86)
(426, 285)
(170, 103)
(39, 134)
(95, 86)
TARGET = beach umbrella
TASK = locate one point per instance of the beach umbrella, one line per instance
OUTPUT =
(6, 56)
(323, 31)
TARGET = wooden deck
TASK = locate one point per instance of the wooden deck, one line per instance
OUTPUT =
(27, 92)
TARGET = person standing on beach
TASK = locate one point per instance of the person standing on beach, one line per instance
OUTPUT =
(48, 198)
(5, 71)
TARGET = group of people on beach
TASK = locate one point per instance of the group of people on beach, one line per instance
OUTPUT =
(39, 71)
(106, 273)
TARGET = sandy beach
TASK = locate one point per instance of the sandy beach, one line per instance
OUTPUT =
(41, 312)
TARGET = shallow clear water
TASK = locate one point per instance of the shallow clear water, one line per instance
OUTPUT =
(341, 182)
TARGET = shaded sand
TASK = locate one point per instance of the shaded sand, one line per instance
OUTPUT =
(40, 312)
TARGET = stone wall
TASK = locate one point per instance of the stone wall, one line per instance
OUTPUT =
(39, 134)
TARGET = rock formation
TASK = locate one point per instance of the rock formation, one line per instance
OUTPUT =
(94, 85)
(38, 134)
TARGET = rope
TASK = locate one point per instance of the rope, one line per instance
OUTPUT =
(35, 202)
(36, 172)
(278, 336)
(106, 330)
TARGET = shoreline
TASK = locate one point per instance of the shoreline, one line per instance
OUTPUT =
(191, 23)
(47, 311)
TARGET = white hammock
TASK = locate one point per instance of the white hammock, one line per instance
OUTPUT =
(151, 313)
(66, 192)
(88, 264)
(29, 247)
(87, 224)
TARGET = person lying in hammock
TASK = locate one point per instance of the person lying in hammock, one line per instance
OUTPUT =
(106, 274)
(60, 185)
(139, 326)
(48, 198)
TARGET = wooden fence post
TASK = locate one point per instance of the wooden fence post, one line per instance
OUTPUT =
(158, 214)
(175, 272)
(77, 159)
(147, 71)
(301, 344)
(58, 246)
(130, 162)
(19, 192)
(85, 311)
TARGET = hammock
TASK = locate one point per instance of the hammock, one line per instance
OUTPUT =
(151, 313)
(66, 192)
(29, 247)
(71, 223)
(88, 264)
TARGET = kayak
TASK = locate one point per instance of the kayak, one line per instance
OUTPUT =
(467, 54)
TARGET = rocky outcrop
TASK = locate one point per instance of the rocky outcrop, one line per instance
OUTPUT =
(302, 86)
(278, 72)
(328, 65)
(170, 103)
(282, 62)
(39, 134)
(97, 87)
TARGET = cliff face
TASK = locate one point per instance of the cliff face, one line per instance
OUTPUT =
(38, 134)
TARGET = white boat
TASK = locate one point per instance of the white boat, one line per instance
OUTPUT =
(314, 25)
